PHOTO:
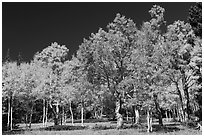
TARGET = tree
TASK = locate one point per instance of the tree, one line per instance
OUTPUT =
(106, 56)
(195, 18)
(32, 75)
(10, 87)
(27, 94)
(68, 79)
(53, 58)
(180, 41)
(147, 70)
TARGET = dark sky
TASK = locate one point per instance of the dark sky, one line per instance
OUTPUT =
(30, 27)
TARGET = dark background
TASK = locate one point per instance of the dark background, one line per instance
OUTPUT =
(30, 27)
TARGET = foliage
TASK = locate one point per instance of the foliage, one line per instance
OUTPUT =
(195, 18)
(122, 65)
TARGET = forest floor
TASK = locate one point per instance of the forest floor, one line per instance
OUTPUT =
(104, 128)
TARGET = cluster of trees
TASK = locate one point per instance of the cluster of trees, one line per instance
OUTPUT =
(113, 71)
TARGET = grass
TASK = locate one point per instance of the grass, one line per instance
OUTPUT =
(105, 128)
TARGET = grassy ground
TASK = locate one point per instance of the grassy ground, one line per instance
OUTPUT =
(105, 128)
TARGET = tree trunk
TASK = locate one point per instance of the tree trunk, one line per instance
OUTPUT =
(63, 114)
(127, 115)
(149, 120)
(31, 114)
(101, 114)
(170, 112)
(181, 114)
(166, 116)
(70, 108)
(44, 109)
(61, 118)
(158, 109)
(181, 102)
(137, 116)
(9, 111)
(56, 113)
(95, 114)
(46, 113)
(11, 116)
(119, 116)
(26, 120)
(65, 117)
(173, 114)
(178, 114)
(188, 109)
(133, 112)
(185, 89)
(82, 116)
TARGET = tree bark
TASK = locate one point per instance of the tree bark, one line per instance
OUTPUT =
(188, 109)
(170, 112)
(9, 111)
(44, 109)
(95, 114)
(46, 113)
(63, 114)
(158, 109)
(173, 114)
(26, 120)
(149, 120)
(72, 116)
(65, 118)
(119, 116)
(137, 116)
(31, 114)
(56, 114)
(101, 114)
(177, 114)
(185, 88)
(166, 116)
(127, 115)
(181, 102)
(11, 115)
(82, 116)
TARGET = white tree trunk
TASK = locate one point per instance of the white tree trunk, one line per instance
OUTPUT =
(9, 111)
(46, 114)
(127, 115)
(44, 109)
(101, 114)
(82, 116)
(137, 116)
(31, 114)
(149, 121)
(11, 117)
(62, 119)
(166, 115)
(57, 114)
(70, 107)
(170, 114)
(26, 120)
(118, 115)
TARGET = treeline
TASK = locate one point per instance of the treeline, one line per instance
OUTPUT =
(116, 71)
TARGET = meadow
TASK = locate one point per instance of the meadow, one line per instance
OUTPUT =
(104, 128)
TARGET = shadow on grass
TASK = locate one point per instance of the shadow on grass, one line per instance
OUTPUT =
(89, 121)
(69, 127)
(13, 132)
(64, 127)
(102, 127)
(164, 129)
